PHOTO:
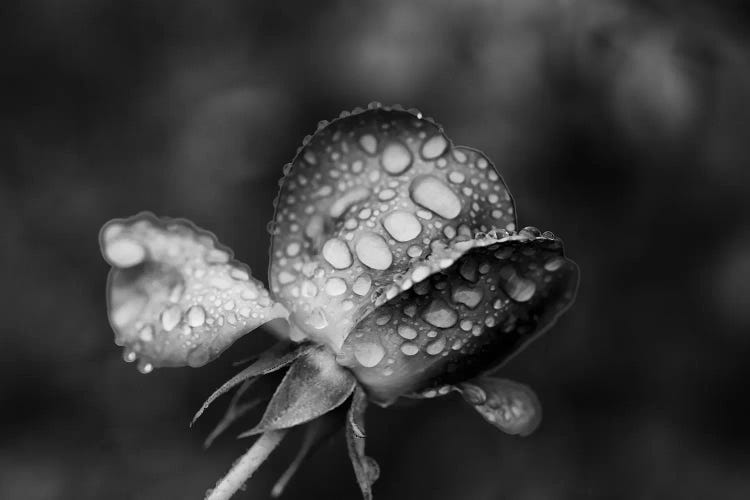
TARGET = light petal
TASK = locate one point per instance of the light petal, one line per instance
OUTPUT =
(360, 205)
(175, 295)
(474, 314)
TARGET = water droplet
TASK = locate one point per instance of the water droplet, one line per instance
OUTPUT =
(554, 264)
(468, 270)
(170, 317)
(335, 287)
(337, 253)
(383, 319)
(386, 194)
(440, 314)
(314, 227)
(470, 297)
(362, 284)
(466, 325)
(129, 356)
(460, 156)
(414, 251)
(430, 193)
(292, 250)
(369, 354)
(403, 226)
(216, 256)
(145, 368)
(517, 288)
(372, 250)
(407, 332)
(125, 253)
(396, 158)
(434, 147)
(309, 157)
(146, 334)
(196, 316)
(286, 277)
(409, 349)
(456, 177)
(436, 347)
(369, 143)
(318, 319)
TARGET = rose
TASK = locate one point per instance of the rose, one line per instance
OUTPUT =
(396, 261)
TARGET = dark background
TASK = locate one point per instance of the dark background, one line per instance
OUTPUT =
(622, 126)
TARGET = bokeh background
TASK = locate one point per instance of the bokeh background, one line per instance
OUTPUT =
(623, 126)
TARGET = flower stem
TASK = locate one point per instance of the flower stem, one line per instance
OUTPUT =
(244, 468)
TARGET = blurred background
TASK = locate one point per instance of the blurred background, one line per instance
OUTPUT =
(623, 126)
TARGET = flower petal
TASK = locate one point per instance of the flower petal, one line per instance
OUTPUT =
(508, 405)
(474, 314)
(362, 202)
(175, 296)
(314, 385)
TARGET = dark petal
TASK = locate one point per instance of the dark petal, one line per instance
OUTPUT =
(360, 205)
(508, 405)
(314, 385)
(277, 357)
(366, 469)
(317, 433)
(175, 296)
(452, 325)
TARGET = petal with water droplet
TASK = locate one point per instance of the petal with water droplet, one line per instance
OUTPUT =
(379, 193)
(175, 294)
(468, 320)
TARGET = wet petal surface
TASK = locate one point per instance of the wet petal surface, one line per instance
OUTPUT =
(175, 295)
(360, 206)
(470, 308)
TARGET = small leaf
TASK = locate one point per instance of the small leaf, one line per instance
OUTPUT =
(508, 405)
(366, 469)
(235, 411)
(314, 385)
(317, 433)
(274, 359)
(175, 296)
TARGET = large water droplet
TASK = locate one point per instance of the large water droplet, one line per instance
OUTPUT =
(196, 316)
(470, 297)
(436, 347)
(125, 253)
(337, 253)
(440, 314)
(372, 250)
(403, 226)
(517, 288)
(171, 317)
(369, 143)
(434, 147)
(409, 349)
(362, 284)
(407, 332)
(318, 319)
(369, 354)
(432, 194)
(335, 287)
(396, 158)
